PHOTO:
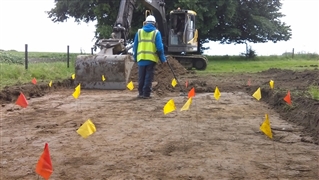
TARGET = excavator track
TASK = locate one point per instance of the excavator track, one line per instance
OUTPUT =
(190, 61)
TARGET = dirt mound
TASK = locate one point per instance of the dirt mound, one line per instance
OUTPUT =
(303, 111)
(10, 94)
(164, 76)
(293, 79)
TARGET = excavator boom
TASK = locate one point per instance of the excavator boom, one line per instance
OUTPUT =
(112, 62)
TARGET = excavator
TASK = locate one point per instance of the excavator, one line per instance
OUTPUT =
(110, 68)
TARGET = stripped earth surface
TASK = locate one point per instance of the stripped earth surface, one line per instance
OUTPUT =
(134, 139)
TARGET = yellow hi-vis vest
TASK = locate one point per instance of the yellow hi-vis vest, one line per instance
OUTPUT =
(146, 46)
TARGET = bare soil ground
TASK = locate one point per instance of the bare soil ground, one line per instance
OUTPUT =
(135, 140)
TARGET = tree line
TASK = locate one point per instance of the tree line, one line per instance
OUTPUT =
(224, 21)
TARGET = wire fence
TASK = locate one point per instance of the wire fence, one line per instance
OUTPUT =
(66, 58)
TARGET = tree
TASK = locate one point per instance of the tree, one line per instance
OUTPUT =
(226, 21)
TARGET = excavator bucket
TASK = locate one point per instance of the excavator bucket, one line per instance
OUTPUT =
(103, 71)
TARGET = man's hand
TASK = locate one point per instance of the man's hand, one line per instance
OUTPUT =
(164, 63)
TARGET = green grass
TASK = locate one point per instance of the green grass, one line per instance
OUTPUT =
(314, 91)
(49, 66)
(235, 64)
(13, 73)
(44, 55)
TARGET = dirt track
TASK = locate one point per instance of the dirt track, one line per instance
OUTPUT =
(135, 140)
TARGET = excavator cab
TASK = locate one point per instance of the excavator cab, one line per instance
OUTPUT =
(182, 32)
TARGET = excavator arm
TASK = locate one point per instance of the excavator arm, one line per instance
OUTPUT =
(122, 24)
(118, 43)
(113, 61)
(157, 8)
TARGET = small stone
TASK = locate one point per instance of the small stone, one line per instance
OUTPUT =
(10, 109)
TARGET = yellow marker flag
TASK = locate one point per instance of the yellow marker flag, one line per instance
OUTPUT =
(103, 78)
(216, 93)
(271, 84)
(86, 129)
(187, 104)
(73, 76)
(77, 91)
(130, 86)
(257, 94)
(174, 82)
(169, 107)
(50, 83)
(265, 127)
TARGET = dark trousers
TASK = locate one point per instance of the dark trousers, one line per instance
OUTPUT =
(145, 78)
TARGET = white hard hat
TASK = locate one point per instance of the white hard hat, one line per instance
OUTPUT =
(150, 18)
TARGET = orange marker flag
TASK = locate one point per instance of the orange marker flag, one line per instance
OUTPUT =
(34, 81)
(248, 82)
(44, 166)
(287, 98)
(191, 93)
(22, 101)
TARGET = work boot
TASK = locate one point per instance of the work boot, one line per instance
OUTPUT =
(140, 96)
(147, 97)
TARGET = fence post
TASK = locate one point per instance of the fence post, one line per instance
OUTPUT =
(68, 56)
(91, 51)
(293, 53)
(26, 56)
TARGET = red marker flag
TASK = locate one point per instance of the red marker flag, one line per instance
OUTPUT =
(44, 166)
(34, 81)
(287, 98)
(191, 93)
(248, 82)
(22, 101)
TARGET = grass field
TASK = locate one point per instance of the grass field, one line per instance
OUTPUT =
(15, 72)
(235, 64)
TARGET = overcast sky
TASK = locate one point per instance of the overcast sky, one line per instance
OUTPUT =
(25, 22)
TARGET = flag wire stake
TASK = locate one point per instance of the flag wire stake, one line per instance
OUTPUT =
(25, 129)
(180, 125)
(196, 114)
(188, 126)
(275, 159)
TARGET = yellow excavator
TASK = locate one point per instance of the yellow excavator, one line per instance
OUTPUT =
(114, 61)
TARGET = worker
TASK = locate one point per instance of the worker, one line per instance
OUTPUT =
(148, 50)
(180, 29)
